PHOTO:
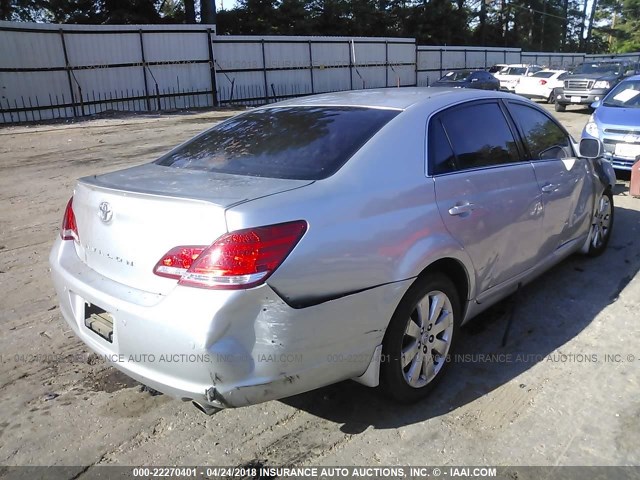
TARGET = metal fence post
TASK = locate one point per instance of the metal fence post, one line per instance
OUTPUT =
(350, 66)
(144, 71)
(264, 71)
(386, 63)
(415, 68)
(311, 67)
(212, 71)
(68, 69)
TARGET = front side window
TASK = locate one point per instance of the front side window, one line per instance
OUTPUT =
(456, 76)
(477, 135)
(544, 139)
(303, 143)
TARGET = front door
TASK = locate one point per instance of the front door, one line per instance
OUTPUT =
(488, 197)
(564, 180)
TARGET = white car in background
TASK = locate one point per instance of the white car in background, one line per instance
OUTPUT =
(511, 75)
(540, 85)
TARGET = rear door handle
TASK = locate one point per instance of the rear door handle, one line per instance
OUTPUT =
(549, 187)
(461, 209)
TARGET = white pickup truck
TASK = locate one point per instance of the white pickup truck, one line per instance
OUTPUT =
(511, 75)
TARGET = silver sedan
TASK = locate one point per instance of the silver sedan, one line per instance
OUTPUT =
(332, 237)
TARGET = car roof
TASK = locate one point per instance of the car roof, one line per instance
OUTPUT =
(392, 98)
(632, 77)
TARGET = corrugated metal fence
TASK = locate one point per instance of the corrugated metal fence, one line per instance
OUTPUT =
(47, 71)
(53, 71)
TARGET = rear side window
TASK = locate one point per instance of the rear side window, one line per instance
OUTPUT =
(542, 136)
(543, 74)
(306, 143)
(478, 135)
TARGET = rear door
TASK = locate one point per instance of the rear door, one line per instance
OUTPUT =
(488, 198)
(564, 179)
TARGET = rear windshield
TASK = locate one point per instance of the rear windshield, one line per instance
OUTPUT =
(304, 143)
(543, 74)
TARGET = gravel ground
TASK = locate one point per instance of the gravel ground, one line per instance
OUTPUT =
(554, 397)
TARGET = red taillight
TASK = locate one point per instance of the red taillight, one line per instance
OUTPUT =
(240, 259)
(69, 228)
(177, 261)
(542, 82)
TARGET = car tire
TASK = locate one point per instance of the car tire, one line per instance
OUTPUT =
(419, 339)
(602, 224)
(560, 107)
(552, 98)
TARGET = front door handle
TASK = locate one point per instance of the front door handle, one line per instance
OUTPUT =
(549, 187)
(461, 209)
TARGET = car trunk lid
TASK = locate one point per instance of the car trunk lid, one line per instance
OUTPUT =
(129, 219)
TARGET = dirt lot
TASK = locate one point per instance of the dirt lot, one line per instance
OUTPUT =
(553, 398)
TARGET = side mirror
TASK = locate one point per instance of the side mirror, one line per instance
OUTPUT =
(596, 104)
(591, 148)
(628, 73)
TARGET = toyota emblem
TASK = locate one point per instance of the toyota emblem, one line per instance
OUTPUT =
(104, 212)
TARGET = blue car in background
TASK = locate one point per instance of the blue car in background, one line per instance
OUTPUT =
(616, 121)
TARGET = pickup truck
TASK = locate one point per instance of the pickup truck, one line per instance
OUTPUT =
(590, 81)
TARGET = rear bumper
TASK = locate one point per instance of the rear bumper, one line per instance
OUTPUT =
(533, 96)
(224, 348)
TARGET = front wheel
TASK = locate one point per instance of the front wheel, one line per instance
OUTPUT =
(419, 339)
(552, 98)
(601, 225)
(560, 107)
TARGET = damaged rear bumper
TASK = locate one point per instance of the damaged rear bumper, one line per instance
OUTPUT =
(224, 348)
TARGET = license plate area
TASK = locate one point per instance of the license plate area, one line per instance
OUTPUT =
(627, 150)
(576, 99)
(98, 321)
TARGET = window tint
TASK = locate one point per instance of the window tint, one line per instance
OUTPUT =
(543, 137)
(441, 156)
(307, 143)
(480, 136)
(543, 74)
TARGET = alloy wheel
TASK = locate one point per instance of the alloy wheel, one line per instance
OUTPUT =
(601, 222)
(427, 339)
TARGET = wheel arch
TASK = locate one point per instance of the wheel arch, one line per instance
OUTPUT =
(459, 275)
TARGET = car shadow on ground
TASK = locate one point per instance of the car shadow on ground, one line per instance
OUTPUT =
(546, 314)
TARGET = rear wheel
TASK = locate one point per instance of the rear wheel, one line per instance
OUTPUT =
(560, 107)
(602, 224)
(419, 339)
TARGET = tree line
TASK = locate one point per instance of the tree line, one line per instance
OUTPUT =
(592, 26)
